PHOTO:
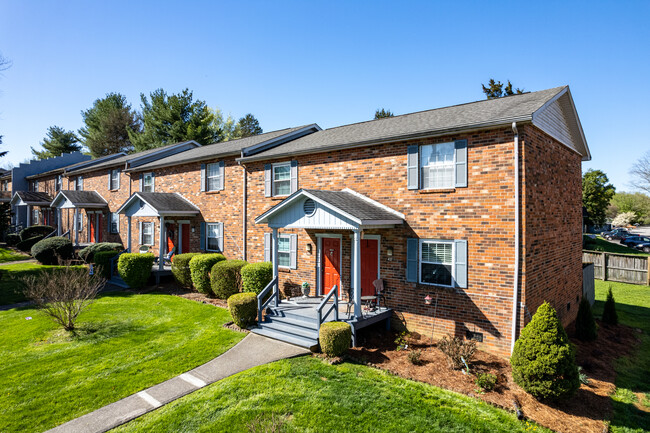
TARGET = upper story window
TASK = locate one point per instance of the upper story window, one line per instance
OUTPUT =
(147, 182)
(214, 176)
(58, 182)
(4, 185)
(79, 183)
(114, 180)
(437, 166)
(33, 186)
(282, 179)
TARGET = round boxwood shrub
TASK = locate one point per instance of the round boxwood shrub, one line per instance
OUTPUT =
(200, 267)
(181, 269)
(256, 276)
(585, 323)
(609, 310)
(12, 239)
(88, 254)
(543, 362)
(335, 338)
(37, 230)
(243, 309)
(27, 244)
(103, 262)
(135, 268)
(49, 251)
(225, 278)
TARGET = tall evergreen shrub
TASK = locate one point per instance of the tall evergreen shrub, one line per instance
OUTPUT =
(585, 323)
(609, 311)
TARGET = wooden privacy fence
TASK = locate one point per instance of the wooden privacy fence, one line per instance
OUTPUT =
(624, 268)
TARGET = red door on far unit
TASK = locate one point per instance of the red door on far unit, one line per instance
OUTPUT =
(91, 223)
(369, 265)
(331, 252)
(185, 234)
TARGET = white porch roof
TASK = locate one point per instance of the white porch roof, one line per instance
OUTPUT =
(78, 200)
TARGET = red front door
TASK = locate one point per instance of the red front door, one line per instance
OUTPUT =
(331, 252)
(185, 234)
(369, 265)
(91, 220)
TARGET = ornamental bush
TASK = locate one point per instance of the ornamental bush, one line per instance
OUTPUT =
(335, 338)
(543, 362)
(255, 276)
(225, 278)
(103, 262)
(27, 244)
(585, 323)
(243, 308)
(88, 254)
(37, 230)
(181, 269)
(200, 267)
(609, 311)
(12, 239)
(51, 250)
(135, 268)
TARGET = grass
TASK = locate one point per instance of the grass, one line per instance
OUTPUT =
(306, 394)
(600, 244)
(633, 379)
(125, 343)
(7, 255)
(10, 290)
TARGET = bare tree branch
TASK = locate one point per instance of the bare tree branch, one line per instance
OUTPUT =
(641, 170)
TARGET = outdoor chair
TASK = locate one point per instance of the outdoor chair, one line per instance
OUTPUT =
(167, 259)
(379, 289)
(348, 304)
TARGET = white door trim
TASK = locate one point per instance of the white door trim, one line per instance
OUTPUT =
(319, 260)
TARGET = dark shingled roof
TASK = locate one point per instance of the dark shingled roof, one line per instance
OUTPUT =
(352, 204)
(78, 165)
(5, 195)
(34, 197)
(485, 113)
(165, 202)
(83, 197)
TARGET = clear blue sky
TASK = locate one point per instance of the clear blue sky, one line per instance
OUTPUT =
(333, 63)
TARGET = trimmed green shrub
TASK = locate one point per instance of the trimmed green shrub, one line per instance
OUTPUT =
(27, 244)
(609, 310)
(256, 276)
(225, 278)
(103, 262)
(585, 323)
(49, 251)
(12, 239)
(243, 309)
(335, 338)
(181, 269)
(200, 267)
(37, 230)
(487, 381)
(88, 254)
(135, 268)
(543, 362)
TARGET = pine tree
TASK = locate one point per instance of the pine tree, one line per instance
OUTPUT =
(495, 89)
(57, 142)
(585, 323)
(381, 114)
(609, 311)
(247, 126)
(543, 362)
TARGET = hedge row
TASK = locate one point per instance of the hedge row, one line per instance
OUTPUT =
(88, 254)
(135, 268)
(52, 250)
(200, 267)
(103, 262)
(36, 230)
(181, 269)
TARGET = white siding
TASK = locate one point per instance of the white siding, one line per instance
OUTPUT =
(553, 121)
(294, 217)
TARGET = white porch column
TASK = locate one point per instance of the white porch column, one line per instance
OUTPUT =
(75, 223)
(59, 222)
(29, 216)
(274, 260)
(356, 273)
(161, 250)
(128, 233)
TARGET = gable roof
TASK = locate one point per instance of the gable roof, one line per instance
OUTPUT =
(77, 166)
(163, 203)
(31, 198)
(248, 145)
(68, 199)
(489, 113)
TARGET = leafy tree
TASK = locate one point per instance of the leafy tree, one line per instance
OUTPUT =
(609, 310)
(381, 114)
(496, 89)
(57, 141)
(641, 170)
(585, 323)
(4, 152)
(596, 194)
(224, 128)
(4, 65)
(543, 362)
(624, 219)
(171, 119)
(107, 125)
(637, 202)
(247, 126)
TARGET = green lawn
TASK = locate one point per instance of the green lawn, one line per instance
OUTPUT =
(7, 255)
(126, 343)
(305, 394)
(633, 373)
(10, 290)
(613, 247)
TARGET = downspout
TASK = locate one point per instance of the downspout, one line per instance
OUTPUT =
(515, 289)
(244, 196)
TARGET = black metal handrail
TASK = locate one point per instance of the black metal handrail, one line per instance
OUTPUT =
(114, 260)
(261, 304)
(50, 235)
(333, 294)
(67, 233)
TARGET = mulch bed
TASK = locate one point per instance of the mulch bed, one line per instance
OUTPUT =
(584, 412)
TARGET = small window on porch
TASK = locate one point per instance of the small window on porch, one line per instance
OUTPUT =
(80, 222)
(147, 233)
(284, 251)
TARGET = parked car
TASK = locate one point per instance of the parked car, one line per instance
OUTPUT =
(616, 234)
(631, 241)
(645, 247)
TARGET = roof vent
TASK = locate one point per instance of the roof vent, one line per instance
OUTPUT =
(309, 206)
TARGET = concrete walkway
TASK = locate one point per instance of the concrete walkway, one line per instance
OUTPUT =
(252, 351)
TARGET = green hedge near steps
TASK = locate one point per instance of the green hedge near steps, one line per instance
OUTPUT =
(135, 268)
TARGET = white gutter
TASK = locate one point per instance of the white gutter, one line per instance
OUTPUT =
(515, 288)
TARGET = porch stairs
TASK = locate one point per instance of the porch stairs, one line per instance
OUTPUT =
(292, 324)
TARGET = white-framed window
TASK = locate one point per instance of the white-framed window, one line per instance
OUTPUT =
(79, 183)
(212, 235)
(114, 225)
(147, 182)
(437, 262)
(284, 251)
(213, 177)
(58, 182)
(114, 179)
(80, 222)
(147, 233)
(437, 165)
(281, 178)
(35, 216)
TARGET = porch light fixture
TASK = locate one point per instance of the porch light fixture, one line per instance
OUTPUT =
(309, 247)
(427, 300)
(389, 251)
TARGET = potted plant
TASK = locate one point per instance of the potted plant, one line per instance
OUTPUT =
(305, 289)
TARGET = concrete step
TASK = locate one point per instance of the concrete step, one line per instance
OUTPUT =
(309, 324)
(298, 314)
(290, 328)
(287, 338)
(116, 280)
